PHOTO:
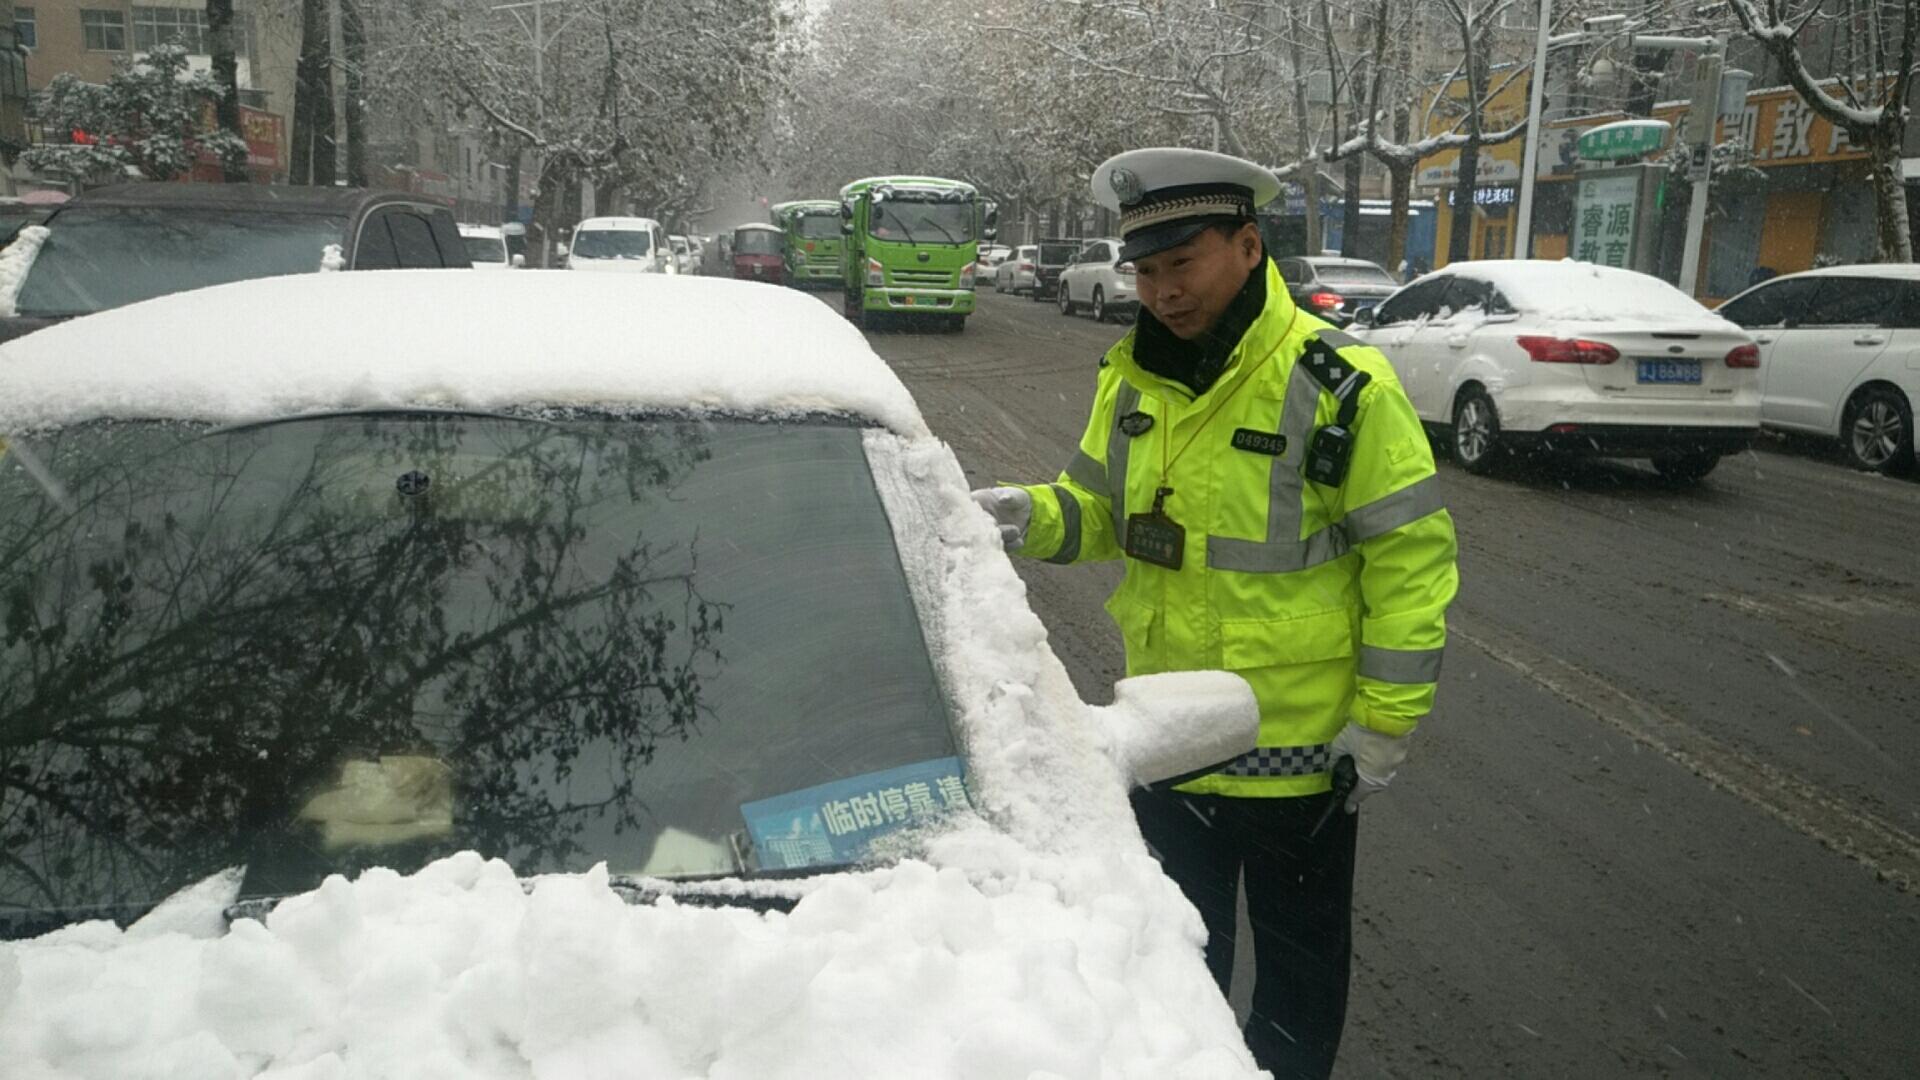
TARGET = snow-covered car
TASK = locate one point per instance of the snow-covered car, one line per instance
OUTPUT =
(1840, 356)
(1015, 274)
(663, 708)
(487, 248)
(130, 242)
(1335, 288)
(621, 245)
(1097, 280)
(1569, 357)
(682, 254)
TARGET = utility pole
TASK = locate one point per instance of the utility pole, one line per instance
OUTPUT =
(1530, 157)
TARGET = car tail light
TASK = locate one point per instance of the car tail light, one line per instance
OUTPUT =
(1548, 350)
(1325, 301)
(1028, 267)
(876, 275)
(1126, 268)
(1744, 356)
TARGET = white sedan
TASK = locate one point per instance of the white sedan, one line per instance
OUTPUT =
(1840, 356)
(667, 701)
(1573, 358)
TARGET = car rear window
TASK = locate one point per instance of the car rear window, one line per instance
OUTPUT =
(319, 645)
(1057, 254)
(485, 249)
(97, 258)
(1347, 274)
(756, 242)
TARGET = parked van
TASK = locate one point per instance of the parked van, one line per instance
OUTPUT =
(621, 245)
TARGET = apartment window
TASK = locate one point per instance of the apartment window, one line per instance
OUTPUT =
(155, 26)
(23, 26)
(103, 31)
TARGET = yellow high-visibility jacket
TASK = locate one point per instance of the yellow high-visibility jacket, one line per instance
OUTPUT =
(1330, 601)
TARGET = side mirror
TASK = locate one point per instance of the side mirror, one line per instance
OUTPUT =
(1178, 724)
(519, 261)
(846, 211)
(1363, 317)
(990, 232)
(846, 228)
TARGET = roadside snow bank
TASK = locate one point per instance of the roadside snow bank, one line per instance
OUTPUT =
(1076, 968)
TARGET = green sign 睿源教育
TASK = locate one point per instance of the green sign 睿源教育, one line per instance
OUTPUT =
(1604, 213)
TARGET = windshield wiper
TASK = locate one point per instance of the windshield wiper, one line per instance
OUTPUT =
(383, 410)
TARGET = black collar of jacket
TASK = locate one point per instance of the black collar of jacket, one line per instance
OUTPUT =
(1197, 364)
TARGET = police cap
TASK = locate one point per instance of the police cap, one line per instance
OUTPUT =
(1165, 196)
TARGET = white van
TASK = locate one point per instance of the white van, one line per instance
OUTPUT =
(621, 245)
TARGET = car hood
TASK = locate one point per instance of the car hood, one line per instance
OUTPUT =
(1077, 967)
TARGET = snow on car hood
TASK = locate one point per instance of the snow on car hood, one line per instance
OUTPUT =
(370, 339)
(1048, 946)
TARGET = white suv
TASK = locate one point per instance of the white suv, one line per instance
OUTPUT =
(1840, 356)
(1097, 279)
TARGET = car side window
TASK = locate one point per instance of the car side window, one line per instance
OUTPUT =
(1109, 253)
(1412, 302)
(446, 236)
(1852, 301)
(1772, 305)
(1906, 315)
(1465, 294)
(1293, 271)
(374, 249)
(413, 241)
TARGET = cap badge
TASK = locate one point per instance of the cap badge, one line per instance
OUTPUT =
(1126, 185)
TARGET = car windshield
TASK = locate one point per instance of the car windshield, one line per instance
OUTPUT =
(820, 226)
(485, 249)
(612, 244)
(313, 646)
(97, 258)
(922, 222)
(1352, 274)
(756, 242)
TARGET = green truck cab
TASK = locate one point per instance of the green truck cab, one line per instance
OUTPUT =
(912, 247)
(815, 250)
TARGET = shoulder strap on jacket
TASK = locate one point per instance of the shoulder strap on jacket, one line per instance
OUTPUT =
(1339, 376)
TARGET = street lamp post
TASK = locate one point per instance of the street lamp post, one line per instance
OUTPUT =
(1530, 157)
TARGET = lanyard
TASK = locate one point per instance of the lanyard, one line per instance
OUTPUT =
(1168, 456)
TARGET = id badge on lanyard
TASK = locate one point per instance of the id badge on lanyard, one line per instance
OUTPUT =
(1155, 538)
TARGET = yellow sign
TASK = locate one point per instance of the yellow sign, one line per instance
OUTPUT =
(1780, 129)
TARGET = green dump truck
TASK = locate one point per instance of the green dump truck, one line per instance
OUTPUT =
(912, 243)
(815, 250)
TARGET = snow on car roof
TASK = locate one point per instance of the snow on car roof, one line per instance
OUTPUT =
(600, 223)
(312, 343)
(489, 232)
(1902, 271)
(1585, 292)
(761, 225)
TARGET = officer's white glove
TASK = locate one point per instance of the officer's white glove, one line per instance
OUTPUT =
(1376, 757)
(1012, 509)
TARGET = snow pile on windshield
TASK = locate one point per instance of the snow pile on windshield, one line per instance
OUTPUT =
(312, 343)
(1586, 292)
(332, 259)
(15, 261)
(459, 971)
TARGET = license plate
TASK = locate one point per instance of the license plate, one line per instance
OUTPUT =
(1685, 372)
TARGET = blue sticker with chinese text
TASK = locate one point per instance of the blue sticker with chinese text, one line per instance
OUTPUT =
(833, 824)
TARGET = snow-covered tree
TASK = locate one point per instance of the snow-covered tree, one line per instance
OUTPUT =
(149, 119)
(1870, 69)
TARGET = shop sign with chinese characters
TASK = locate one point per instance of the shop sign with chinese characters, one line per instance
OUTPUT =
(1603, 219)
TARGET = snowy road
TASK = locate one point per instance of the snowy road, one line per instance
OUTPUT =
(1665, 819)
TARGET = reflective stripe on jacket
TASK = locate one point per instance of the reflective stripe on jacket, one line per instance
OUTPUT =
(1330, 601)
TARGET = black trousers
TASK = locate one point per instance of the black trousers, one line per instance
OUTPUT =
(1299, 900)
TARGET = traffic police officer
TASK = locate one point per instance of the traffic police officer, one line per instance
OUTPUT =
(1273, 496)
